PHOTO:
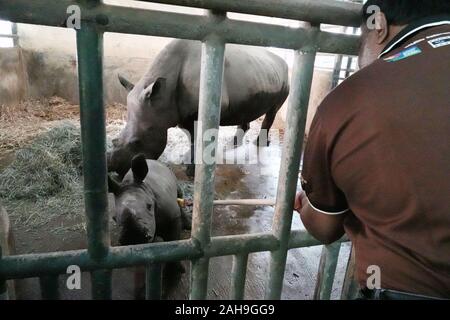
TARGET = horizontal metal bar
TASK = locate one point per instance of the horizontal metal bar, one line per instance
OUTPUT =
(229, 245)
(176, 25)
(34, 265)
(327, 271)
(315, 11)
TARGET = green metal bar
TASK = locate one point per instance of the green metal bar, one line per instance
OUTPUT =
(302, 239)
(3, 290)
(229, 245)
(327, 270)
(238, 275)
(350, 287)
(212, 64)
(177, 25)
(49, 287)
(93, 131)
(34, 265)
(295, 129)
(318, 11)
(153, 281)
(14, 35)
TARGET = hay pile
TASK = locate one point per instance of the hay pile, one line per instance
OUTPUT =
(44, 182)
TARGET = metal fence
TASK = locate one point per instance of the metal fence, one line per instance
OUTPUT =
(214, 29)
(11, 34)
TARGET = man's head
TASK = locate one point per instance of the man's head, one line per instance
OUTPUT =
(384, 19)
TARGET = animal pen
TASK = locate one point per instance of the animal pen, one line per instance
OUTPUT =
(214, 30)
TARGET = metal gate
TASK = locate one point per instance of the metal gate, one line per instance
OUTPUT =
(214, 30)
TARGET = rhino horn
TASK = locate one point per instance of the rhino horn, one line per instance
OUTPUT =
(125, 83)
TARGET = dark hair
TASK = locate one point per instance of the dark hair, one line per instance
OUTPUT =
(402, 12)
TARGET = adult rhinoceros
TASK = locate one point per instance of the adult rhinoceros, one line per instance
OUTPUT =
(255, 83)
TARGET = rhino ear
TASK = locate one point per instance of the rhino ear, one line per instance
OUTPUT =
(125, 83)
(113, 185)
(155, 89)
(139, 168)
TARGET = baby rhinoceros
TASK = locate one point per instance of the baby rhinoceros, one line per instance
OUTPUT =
(147, 210)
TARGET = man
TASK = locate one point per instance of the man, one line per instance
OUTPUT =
(377, 161)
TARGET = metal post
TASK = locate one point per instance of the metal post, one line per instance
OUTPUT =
(213, 50)
(3, 285)
(298, 109)
(350, 287)
(153, 281)
(90, 74)
(327, 270)
(238, 275)
(15, 35)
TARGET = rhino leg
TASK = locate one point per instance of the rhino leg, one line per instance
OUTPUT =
(263, 138)
(186, 219)
(240, 133)
(190, 168)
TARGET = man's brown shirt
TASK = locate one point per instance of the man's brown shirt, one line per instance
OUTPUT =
(379, 148)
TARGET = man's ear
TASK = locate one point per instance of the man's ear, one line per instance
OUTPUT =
(139, 168)
(155, 89)
(381, 27)
(113, 185)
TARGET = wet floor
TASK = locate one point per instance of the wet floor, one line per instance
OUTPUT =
(254, 175)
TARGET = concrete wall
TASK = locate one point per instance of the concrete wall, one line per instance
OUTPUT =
(47, 65)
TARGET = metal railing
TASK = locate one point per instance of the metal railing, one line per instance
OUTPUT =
(13, 35)
(214, 30)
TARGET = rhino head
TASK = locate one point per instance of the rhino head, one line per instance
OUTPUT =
(134, 205)
(149, 116)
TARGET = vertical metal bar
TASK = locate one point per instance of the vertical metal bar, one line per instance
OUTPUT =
(350, 286)
(14, 33)
(298, 109)
(327, 271)
(238, 275)
(213, 50)
(90, 75)
(49, 287)
(101, 283)
(153, 281)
